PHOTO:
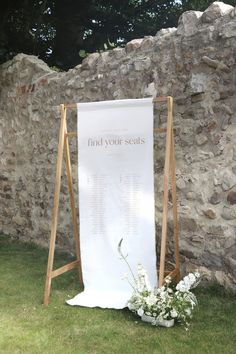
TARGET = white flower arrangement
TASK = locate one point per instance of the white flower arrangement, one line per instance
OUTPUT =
(169, 302)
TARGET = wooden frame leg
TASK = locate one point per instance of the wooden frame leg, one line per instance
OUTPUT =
(73, 205)
(55, 207)
(175, 213)
(165, 196)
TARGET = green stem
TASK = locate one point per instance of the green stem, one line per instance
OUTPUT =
(127, 263)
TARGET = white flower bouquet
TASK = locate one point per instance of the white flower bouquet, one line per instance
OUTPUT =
(170, 302)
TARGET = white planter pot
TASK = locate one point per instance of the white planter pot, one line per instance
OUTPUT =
(166, 323)
(163, 323)
(146, 318)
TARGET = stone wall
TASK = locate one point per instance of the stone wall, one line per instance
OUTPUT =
(196, 64)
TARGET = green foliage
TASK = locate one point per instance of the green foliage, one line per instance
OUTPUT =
(82, 53)
(25, 27)
(63, 32)
(101, 25)
(26, 326)
(55, 68)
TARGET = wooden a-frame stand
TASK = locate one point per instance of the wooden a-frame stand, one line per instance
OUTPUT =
(169, 174)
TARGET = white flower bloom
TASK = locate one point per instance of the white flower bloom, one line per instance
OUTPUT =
(165, 302)
(192, 277)
(140, 312)
(130, 306)
(181, 286)
(168, 280)
(125, 276)
(188, 312)
(150, 300)
(162, 295)
(173, 313)
(143, 281)
(141, 270)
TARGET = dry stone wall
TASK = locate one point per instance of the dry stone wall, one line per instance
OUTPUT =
(196, 64)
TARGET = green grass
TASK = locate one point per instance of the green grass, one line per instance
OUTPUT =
(26, 326)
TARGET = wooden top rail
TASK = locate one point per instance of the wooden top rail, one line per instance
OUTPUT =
(155, 100)
(156, 130)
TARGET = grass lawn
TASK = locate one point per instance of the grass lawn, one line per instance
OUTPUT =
(26, 326)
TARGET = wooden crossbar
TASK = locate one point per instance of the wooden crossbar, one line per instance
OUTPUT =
(169, 171)
(65, 268)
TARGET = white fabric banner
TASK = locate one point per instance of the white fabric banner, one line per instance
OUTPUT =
(116, 198)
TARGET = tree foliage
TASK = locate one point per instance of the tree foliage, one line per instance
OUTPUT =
(25, 26)
(62, 31)
(94, 24)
